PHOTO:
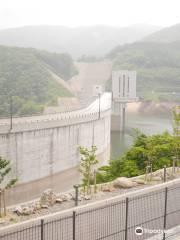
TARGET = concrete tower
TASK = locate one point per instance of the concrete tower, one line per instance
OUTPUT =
(124, 91)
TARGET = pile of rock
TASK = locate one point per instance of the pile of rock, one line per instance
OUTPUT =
(123, 182)
(139, 181)
(108, 187)
(64, 197)
(24, 210)
(47, 199)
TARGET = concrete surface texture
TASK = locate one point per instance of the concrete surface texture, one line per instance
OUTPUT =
(60, 182)
(45, 145)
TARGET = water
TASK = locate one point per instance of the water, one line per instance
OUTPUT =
(147, 124)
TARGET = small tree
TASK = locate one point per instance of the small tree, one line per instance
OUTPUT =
(176, 120)
(176, 133)
(87, 165)
(5, 183)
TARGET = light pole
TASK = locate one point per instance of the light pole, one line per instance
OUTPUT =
(11, 113)
(99, 95)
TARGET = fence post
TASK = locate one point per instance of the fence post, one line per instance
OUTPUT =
(151, 172)
(74, 225)
(174, 165)
(76, 187)
(42, 229)
(165, 213)
(95, 186)
(165, 173)
(126, 219)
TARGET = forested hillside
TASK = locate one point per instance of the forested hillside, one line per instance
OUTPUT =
(25, 78)
(89, 40)
(169, 34)
(157, 65)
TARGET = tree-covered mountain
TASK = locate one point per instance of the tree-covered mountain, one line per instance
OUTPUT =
(167, 35)
(25, 77)
(92, 40)
(157, 65)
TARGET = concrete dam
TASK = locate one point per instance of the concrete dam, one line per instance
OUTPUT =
(40, 147)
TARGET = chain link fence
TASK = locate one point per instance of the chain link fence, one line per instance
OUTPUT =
(137, 217)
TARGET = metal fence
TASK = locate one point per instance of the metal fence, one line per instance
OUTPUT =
(152, 212)
(45, 121)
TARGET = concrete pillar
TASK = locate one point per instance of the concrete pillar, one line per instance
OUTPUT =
(122, 117)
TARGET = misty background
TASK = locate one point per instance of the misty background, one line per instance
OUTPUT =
(54, 49)
(52, 53)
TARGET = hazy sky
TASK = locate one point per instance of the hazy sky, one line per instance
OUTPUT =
(88, 12)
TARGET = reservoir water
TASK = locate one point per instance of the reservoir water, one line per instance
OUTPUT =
(146, 124)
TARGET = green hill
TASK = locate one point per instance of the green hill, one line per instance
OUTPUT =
(25, 77)
(157, 65)
(169, 34)
(89, 40)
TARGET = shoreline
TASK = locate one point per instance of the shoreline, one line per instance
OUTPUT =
(149, 108)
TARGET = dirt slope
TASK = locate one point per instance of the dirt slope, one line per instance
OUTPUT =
(90, 74)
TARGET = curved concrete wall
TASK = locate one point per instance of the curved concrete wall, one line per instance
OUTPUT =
(45, 145)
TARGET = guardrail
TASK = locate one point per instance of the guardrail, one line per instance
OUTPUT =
(58, 119)
(66, 120)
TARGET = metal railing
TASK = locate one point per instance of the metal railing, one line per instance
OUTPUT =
(116, 219)
(89, 113)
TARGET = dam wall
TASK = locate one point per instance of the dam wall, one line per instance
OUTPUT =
(42, 146)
